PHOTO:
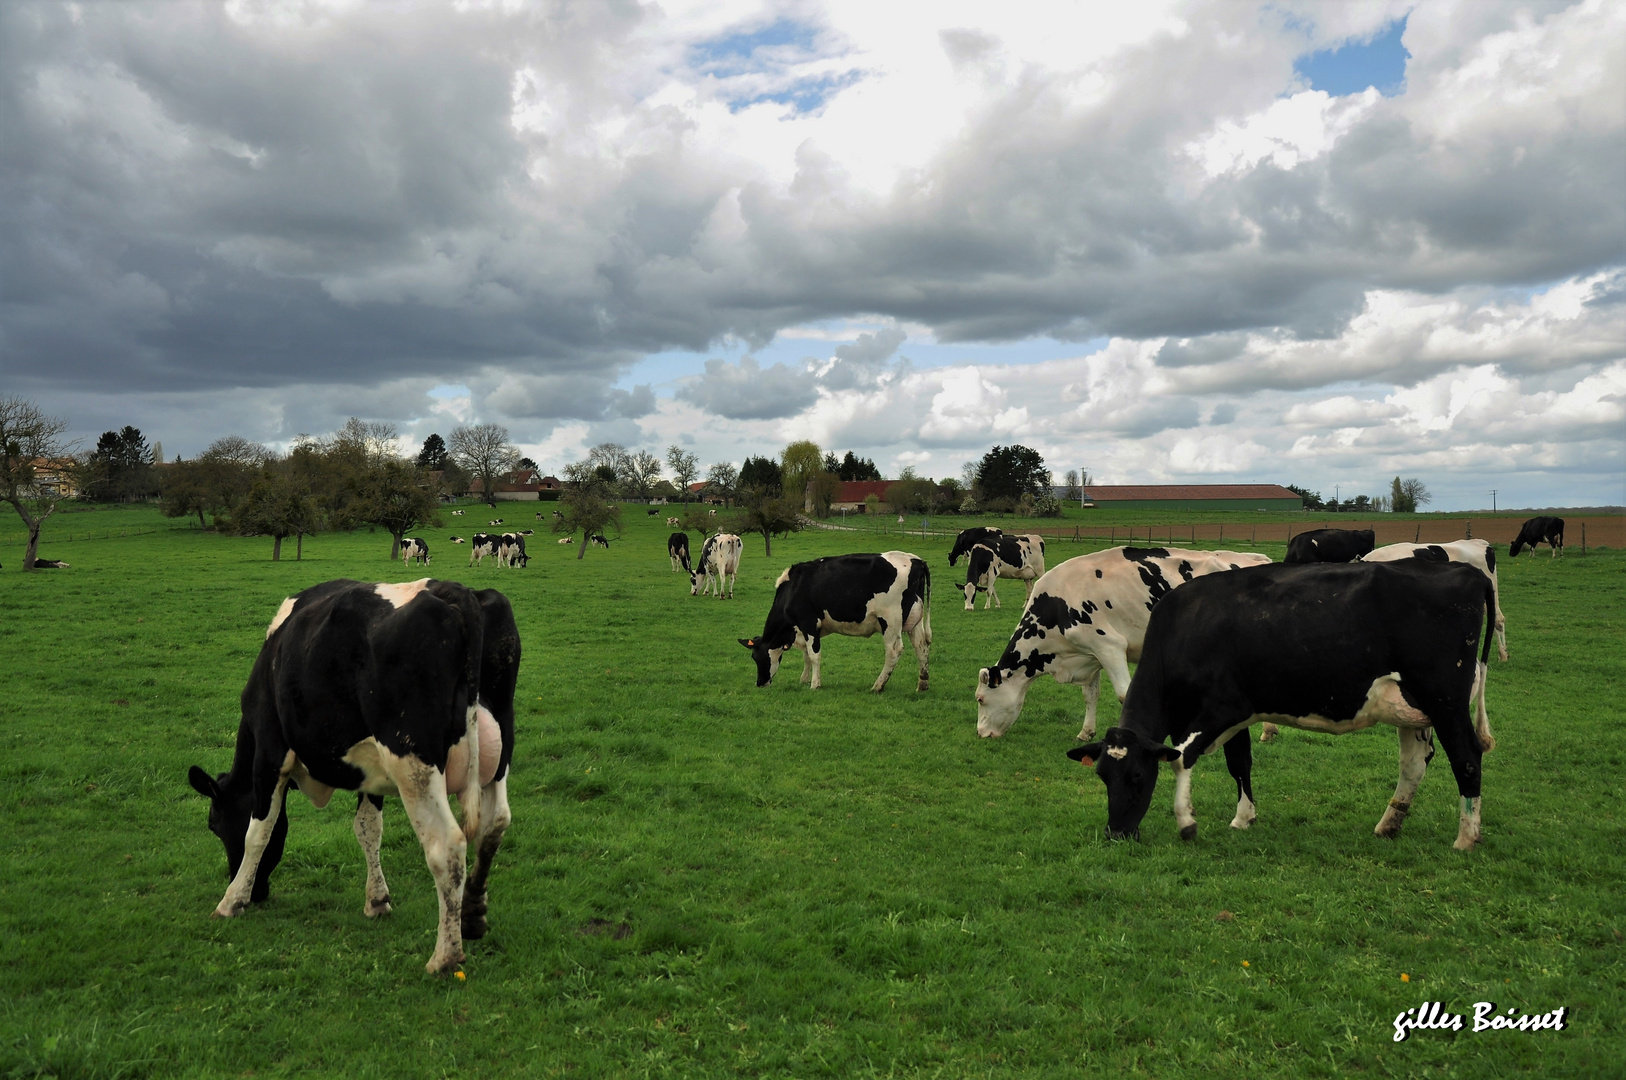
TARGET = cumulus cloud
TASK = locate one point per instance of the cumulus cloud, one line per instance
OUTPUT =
(745, 391)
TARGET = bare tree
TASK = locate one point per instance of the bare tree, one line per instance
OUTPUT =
(486, 454)
(685, 468)
(1070, 479)
(37, 466)
(1417, 494)
(638, 473)
(723, 478)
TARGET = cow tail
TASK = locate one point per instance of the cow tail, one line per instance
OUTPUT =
(923, 586)
(1487, 741)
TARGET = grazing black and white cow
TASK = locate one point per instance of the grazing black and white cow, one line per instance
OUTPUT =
(673, 522)
(1330, 648)
(495, 521)
(413, 547)
(511, 551)
(1538, 530)
(558, 514)
(652, 511)
(855, 595)
(599, 539)
(1086, 616)
(970, 538)
(719, 559)
(677, 549)
(384, 690)
(1002, 556)
(1330, 545)
(483, 544)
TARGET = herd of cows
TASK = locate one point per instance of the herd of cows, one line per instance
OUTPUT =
(408, 689)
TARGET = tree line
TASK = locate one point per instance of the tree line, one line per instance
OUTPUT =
(1404, 497)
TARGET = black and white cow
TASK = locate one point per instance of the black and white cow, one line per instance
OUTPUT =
(677, 549)
(1476, 553)
(567, 540)
(483, 544)
(49, 564)
(413, 547)
(1002, 556)
(511, 551)
(673, 522)
(1330, 648)
(456, 540)
(719, 559)
(600, 540)
(495, 521)
(384, 690)
(855, 595)
(457, 513)
(1330, 545)
(1539, 530)
(970, 538)
(1086, 616)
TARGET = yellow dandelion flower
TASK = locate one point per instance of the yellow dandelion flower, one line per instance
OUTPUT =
(1246, 964)
(460, 976)
(1404, 977)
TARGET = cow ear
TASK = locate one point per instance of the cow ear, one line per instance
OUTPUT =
(203, 783)
(1086, 755)
(1166, 752)
(749, 643)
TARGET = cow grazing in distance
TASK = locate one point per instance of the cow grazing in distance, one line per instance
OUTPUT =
(558, 515)
(413, 547)
(1330, 545)
(457, 513)
(673, 522)
(719, 559)
(599, 539)
(677, 549)
(481, 545)
(1086, 616)
(970, 538)
(511, 551)
(854, 595)
(1007, 556)
(384, 690)
(1329, 648)
(1538, 530)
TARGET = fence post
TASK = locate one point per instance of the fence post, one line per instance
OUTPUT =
(1222, 532)
(1470, 531)
(1583, 538)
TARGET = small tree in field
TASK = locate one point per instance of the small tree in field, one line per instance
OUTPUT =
(685, 468)
(586, 505)
(277, 507)
(770, 515)
(398, 498)
(485, 453)
(37, 469)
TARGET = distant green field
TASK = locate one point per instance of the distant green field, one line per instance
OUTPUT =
(707, 879)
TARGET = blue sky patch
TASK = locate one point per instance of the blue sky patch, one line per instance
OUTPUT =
(734, 51)
(1352, 67)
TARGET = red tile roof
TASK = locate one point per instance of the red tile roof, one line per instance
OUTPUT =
(856, 491)
(1115, 492)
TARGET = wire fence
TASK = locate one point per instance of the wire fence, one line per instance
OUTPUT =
(1580, 532)
(53, 534)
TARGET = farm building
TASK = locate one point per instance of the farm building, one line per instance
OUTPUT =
(853, 493)
(1193, 497)
(521, 484)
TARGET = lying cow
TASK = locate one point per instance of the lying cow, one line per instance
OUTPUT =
(719, 559)
(1539, 530)
(50, 564)
(384, 690)
(1086, 616)
(677, 549)
(413, 547)
(1002, 556)
(854, 595)
(1330, 545)
(457, 513)
(567, 540)
(495, 521)
(1333, 648)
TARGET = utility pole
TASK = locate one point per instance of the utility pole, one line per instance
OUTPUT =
(1493, 500)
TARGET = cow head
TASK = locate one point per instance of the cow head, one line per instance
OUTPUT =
(229, 809)
(1126, 761)
(999, 700)
(767, 658)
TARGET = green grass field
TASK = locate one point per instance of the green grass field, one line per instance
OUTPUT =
(707, 879)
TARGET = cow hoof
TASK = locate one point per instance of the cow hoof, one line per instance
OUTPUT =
(378, 907)
(228, 911)
(1487, 744)
(921, 685)
(448, 966)
(1241, 823)
(1188, 832)
(1267, 733)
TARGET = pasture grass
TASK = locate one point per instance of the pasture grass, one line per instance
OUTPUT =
(707, 879)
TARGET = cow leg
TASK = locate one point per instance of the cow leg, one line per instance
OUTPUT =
(369, 829)
(1092, 697)
(1183, 815)
(423, 791)
(811, 652)
(1115, 659)
(1268, 731)
(260, 836)
(1487, 742)
(1239, 760)
(1460, 742)
(807, 662)
(992, 599)
(494, 819)
(892, 636)
(1416, 747)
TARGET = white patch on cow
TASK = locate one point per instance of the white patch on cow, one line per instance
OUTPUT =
(401, 594)
(1384, 705)
(1119, 752)
(283, 612)
(423, 792)
(1414, 750)
(367, 755)
(1246, 814)
(313, 789)
(241, 889)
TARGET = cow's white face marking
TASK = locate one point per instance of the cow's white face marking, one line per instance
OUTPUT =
(403, 593)
(283, 612)
(1119, 752)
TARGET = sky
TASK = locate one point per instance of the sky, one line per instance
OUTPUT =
(1167, 242)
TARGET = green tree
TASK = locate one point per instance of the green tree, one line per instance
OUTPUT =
(37, 467)
(1405, 496)
(121, 466)
(770, 515)
(761, 474)
(685, 468)
(853, 467)
(822, 490)
(913, 494)
(585, 505)
(398, 497)
(275, 506)
(434, 453)
(1006, 473)
(1312, 499)
(798, 463)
